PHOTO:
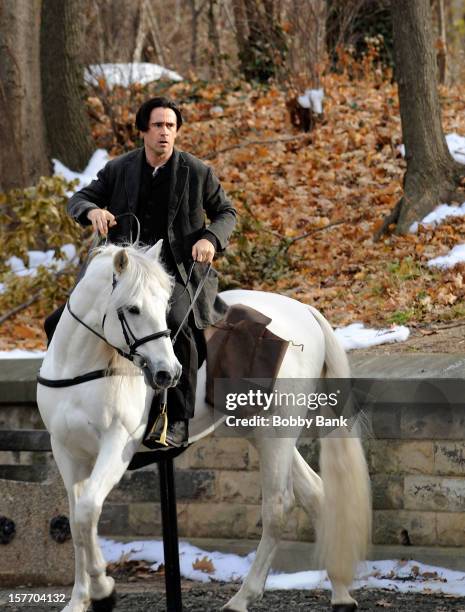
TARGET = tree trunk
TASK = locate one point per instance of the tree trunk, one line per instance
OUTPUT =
(214, 40)
(441, 43)
(68, 127)
(432, 174)
(263, 49)
(23, 154)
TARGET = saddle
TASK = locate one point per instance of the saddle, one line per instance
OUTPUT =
(240, 346)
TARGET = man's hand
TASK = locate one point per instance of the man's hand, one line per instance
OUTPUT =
(101, 220)
(203, 251)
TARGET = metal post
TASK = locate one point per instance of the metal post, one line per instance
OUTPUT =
(170, 535)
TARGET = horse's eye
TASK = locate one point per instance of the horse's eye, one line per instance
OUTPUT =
(134, 309)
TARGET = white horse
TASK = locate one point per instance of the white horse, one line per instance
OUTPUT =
(98, 425)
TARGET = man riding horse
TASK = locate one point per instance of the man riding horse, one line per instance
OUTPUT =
(169, 191)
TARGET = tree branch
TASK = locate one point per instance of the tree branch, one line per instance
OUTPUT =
(255, 142)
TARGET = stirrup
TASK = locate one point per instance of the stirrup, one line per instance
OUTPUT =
(152, 435)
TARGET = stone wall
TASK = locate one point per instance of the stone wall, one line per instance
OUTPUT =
(418, 483)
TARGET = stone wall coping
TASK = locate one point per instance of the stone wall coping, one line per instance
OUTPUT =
(18, 376)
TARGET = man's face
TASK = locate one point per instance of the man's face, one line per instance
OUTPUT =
(161, 133)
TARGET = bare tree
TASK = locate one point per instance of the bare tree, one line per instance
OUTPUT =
(214, 39)
(260, 38)
(307, 48)
(432, 175)
(23, 154)
(67, 123)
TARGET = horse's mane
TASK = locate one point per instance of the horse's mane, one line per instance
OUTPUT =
(143, 272)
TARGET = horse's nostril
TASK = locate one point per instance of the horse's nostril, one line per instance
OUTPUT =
(163, 378)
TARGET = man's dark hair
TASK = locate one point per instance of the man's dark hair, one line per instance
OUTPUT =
(143, 114)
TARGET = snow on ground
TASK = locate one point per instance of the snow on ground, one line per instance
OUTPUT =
(126, 74)
(455, 143)
(20, 354)
(405, 576)
(96, 163)
(455, 256)
(356, 336)
(438, 215)
(456, 146)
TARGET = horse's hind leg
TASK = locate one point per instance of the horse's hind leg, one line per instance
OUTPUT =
(276, 457)
(74, 477)
(308, 489)
(308, 486)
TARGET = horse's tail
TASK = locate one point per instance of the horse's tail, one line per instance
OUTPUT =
(344, 531)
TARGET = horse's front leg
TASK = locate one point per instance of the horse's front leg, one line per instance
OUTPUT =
(276, 458)
(74, 475)
(116, 451)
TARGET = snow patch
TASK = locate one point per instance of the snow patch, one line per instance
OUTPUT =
(455, 144)
(356, 336)
(455, 256)
(403, 576)
(126, 74)
(97, 161)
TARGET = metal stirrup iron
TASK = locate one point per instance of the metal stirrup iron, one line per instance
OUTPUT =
(151, 436)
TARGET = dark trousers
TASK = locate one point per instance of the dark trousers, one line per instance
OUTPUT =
(189, 349)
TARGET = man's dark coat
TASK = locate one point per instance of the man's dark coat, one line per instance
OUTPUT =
(194, 190)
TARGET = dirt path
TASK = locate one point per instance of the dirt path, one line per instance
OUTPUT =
(148, 596)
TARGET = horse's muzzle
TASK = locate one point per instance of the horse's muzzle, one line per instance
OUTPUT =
(161, 379)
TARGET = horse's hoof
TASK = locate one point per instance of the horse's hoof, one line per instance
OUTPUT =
(106, 604)
(345, 607)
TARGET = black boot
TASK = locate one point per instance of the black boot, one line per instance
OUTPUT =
(177, 435)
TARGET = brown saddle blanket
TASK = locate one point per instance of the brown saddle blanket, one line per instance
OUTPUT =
(240, 346)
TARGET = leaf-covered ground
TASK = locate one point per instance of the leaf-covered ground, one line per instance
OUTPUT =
(309, 204)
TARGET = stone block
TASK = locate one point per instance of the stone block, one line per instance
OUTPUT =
(434, 422)
(240, 487)
(449, 458)
(114, 520)
(254, 526)
(144, 486)
(220, 453)
(33, 557)
(434, 493)
(220, 520)
(145, 520)
(451, 529)
(387, 491)
(385, 421)
(401, 457)
(389, 525)
(27, 473)
(254, 459)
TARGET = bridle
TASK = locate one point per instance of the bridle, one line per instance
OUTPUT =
(133, 344)
(130, 338)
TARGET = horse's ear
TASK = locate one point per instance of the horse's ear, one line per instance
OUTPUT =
(120, 261)
(154, 252)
